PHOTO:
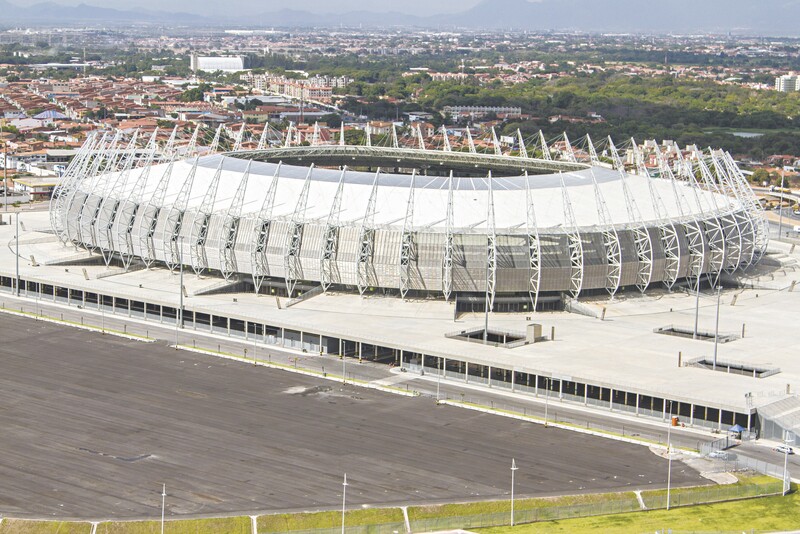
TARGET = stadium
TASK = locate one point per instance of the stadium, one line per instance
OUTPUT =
(504, 230)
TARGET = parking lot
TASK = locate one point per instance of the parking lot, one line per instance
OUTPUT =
(92, 425)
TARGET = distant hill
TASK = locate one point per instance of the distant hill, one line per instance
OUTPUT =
(767, 17)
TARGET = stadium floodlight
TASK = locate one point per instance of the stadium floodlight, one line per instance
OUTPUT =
(344, 499)
(514, 468)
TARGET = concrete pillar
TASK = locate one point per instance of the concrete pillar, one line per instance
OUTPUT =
(340, 348)
(489, 378)
(691, 415)
(637, 404)
(513, 379)
(535, 385)
(719, 424)
(560, 389)
(664, 410)
(610, 398)
(359, 351)
(585, 394)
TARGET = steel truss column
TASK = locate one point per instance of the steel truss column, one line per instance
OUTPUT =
(395, 140)
(420, 137)
(641, 236)
(445, 140)
(447, 257)
(692, 228)
(712, 229)
(67, 184)
(592, 151)
(131, 206)
(523, 151)
(366, 240)
(230, 226)
(293, 269)
(147, 223)
(760, 223)
(215, 142)
(408, 249)
(175, 221)
(495, 143)
(611, 244)
(110, 202)
(87, 234)
(262, 141)
(330, 241)
(740, 211)
(574, 244)
(288, 142)
(239, 139)
(534, 247)
(720, 228)
(568, 150)
(198, 234)
(729, 219)
(263, 223)
(168, 151)
(668, 235)
(545, 149)
(491, 249)
(470, 142)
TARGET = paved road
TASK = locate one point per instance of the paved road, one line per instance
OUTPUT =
(92, 425)
(368, 371)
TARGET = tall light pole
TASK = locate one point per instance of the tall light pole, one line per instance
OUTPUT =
(513, 470)
(5, 174)
(439, 379)
(669, 453)
(179, 316)
(697, 304)
(716, 329)
(780, 210)
(344, 498)
(163, 502)
(786, 442)
(16, 247)
(546, 398)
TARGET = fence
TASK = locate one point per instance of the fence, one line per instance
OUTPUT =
(614, 504)
(385, 528)
(679, 497)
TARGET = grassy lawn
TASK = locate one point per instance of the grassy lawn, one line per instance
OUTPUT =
(17, 526)
(504, 506)
(766, 514)
(224, 525)
(286, 522)
(745, 487)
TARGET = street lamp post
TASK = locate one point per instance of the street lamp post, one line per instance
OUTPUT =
(16, 246)
(438, 379)
(546, 399)
(344, 498)
(780, 210)
(669, 453)
(716, 329)
(696, 306)
(513, 470)
(163, 502)
(786, 442)
(179, 316)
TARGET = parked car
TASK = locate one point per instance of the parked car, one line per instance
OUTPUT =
(784, 449)
(722, 455)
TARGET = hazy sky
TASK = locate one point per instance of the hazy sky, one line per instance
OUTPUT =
(206, 7)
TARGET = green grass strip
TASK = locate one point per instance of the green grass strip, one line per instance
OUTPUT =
(272, 524)
(768, 514)
(221, 525)
(21, 526)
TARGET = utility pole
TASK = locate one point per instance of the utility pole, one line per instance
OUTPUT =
(716, 329)
(163, 502)
(513, 470)
(669, 453)
(780, 210)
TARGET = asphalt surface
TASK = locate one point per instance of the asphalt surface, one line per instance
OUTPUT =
(92, 425)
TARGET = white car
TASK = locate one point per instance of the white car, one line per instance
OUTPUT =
(784, 449)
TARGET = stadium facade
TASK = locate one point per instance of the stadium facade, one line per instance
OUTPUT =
(491, 229)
